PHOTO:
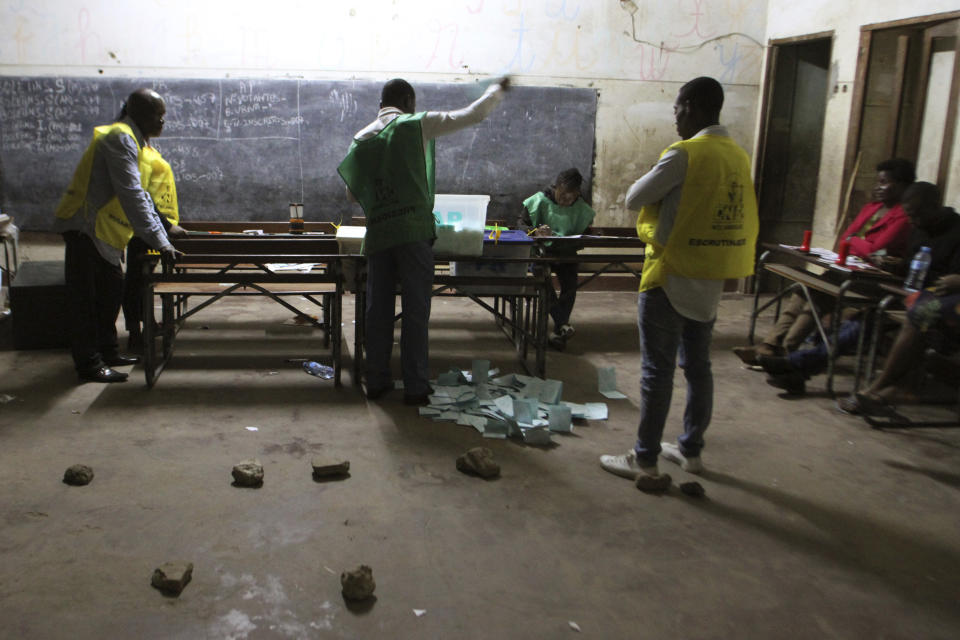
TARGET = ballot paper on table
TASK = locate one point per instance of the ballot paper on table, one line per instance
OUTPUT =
(283, 266)
(607, 383)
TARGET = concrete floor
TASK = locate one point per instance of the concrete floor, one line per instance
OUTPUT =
(814, 525)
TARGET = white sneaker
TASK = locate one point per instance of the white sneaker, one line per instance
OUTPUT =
(565, 331)
(627, 466)
(672, 453)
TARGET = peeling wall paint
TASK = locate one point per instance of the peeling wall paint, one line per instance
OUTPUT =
(635, 53)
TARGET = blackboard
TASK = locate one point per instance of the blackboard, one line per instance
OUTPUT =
(243, 149)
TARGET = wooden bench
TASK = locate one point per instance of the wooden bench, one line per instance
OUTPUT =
(213, 277)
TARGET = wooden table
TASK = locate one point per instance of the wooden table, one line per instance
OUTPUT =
(219, 265)
(848, 285)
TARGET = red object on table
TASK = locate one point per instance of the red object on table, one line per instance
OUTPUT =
(843, 253)
(805, 245)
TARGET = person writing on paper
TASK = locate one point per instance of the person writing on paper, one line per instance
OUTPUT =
(698, 216)
(389, 170)
(879, 234)
(104, 206)
(559, 210)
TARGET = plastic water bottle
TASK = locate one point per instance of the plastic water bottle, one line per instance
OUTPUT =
(918, 269)
(319, 370)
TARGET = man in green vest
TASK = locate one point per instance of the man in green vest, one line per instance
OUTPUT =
(389, 170)
(104, 206)
(698, 216)
(559, 210)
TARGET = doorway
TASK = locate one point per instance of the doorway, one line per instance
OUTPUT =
(798, 77)
(905, 103)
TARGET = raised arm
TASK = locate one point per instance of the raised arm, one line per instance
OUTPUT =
(441, 123)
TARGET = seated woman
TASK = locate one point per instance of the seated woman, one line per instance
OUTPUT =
(936, 227)
(559, 210)
(880, 231)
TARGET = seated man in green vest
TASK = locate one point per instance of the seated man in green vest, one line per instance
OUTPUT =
(389, 170)
(104, 206)
(560, 211)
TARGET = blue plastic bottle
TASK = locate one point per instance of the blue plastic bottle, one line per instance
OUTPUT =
(919, 267)
(319, 370)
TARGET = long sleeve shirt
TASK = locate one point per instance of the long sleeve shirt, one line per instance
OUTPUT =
(693, 298)
(440, 123)
(116, 172)
(890, 232)
(437, 123)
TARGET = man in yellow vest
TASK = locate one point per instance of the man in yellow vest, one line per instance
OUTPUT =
(104, 206)
(698, 216)
(389, 170)
(158, 181)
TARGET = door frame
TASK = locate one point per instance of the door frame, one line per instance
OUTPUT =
(769, 81)
(859, 97)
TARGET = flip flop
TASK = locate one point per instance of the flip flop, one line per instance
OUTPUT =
(874, 407)
(849, 406)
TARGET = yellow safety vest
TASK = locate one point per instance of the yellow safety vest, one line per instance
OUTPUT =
(157, 178)
(112, 225)
(714, 233)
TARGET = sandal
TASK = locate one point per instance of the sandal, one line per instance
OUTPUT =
(849, 405)
(871, 406)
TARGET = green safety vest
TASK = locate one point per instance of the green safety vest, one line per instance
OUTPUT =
(714, 234)
(392, 176)
(563, 221)
(112, 225)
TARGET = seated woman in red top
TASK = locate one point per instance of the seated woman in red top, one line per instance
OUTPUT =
(881, 230)
(882, 225)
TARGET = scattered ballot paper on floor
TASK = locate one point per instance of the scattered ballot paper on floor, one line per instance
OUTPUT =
(607, 383)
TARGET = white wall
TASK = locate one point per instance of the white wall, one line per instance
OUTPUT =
(636, 54)
(788, 18)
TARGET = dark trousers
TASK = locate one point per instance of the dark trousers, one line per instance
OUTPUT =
(411, 266)
(562, 306)
(94, 293)
(133, 286)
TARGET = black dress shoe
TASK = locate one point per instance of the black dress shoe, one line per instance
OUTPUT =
(416, 399)
(793, 382)
(775, 365)
(373, 393)
(120, 360)
(102, 374)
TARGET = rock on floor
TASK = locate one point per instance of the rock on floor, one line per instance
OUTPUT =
(324, 469)
(654, 484)
(693, 489)
(358, 584)
(171, 577)
(248, 473)
(78, 475)
(478, 461)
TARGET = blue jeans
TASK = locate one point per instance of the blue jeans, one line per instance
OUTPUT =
(663, 334)
(410, 265)
(810, 362)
